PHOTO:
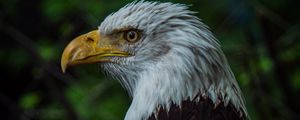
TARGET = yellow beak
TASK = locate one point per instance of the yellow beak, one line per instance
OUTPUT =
(84, 50)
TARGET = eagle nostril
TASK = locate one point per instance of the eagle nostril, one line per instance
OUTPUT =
(90, 40)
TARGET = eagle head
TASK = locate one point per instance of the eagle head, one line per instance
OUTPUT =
(161, 53)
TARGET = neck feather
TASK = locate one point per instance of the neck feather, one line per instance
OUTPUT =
(183, 75)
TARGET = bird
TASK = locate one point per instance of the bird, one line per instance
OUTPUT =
(166, 58)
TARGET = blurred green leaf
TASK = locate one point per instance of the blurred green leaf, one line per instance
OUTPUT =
(291, 53)
(29, 100)
(296, 80)
(46, 50)
(266, 64)
(55, 10)
(91, 101)
(244, 79)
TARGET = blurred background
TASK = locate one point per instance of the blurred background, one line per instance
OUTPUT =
(261, 39)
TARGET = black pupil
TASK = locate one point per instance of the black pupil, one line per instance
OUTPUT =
(131, 35)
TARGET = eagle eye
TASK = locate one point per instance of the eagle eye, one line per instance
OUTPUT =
(132, 36)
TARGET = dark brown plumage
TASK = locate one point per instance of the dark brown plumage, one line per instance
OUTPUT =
(204, 109)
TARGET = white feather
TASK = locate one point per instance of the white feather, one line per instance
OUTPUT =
(177, 59)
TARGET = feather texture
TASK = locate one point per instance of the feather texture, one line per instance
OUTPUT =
(177, 59)
(202, 109)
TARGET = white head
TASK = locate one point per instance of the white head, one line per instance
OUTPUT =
(174, 58)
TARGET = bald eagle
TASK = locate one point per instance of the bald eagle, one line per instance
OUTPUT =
(167, 60)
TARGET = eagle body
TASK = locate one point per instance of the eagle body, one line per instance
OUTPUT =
(167, 59)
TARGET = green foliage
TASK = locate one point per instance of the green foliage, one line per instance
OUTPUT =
(46, 50)
(29, 101)
(55, 10)
(266, 64)
(244, 79)
(296, 80)
(94, 99)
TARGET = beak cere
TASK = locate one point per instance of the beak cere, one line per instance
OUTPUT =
(84, 50)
